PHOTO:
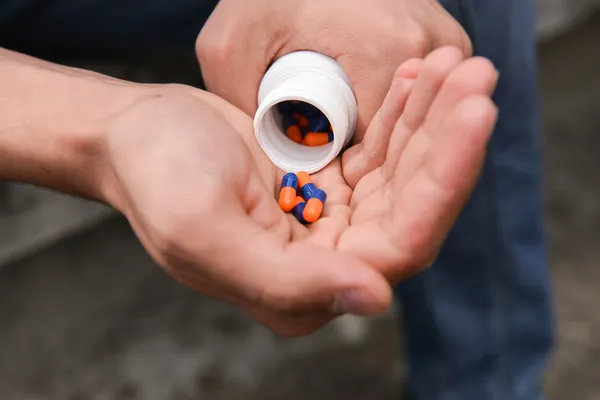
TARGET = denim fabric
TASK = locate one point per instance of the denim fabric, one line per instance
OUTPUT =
(101, 28)
(479, 324)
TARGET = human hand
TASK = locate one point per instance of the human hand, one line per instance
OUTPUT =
(200, 195)
(434, 127)
(369, 38)
(188, 174)
(393, 209)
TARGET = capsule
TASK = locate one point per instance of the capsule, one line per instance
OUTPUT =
(313, 139)
(307, 188)
(293, 133)
(320, 124)
(298, 210)
(314, 206)
(288, 192)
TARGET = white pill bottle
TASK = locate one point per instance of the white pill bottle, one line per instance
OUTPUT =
(315, 79)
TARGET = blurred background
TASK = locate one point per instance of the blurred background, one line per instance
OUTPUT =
(85, 313)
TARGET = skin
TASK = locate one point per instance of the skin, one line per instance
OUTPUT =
(208, 214)
(183, 167)
(369, 38)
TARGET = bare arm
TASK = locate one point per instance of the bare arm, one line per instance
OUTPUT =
(52, 122)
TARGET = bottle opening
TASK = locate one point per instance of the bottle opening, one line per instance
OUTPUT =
(304, 123)
(296, 135)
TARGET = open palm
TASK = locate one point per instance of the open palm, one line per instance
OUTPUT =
(393, 197)
(201, 195)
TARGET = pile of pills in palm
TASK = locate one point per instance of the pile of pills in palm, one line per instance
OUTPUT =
(300, 196)
(305, 124)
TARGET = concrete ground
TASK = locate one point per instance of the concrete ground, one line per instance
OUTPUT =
(91, 317)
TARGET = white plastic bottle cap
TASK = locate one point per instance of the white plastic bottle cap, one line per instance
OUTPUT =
(312, 78)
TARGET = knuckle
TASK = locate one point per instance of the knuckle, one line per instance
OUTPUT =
(212, 50)
(457, 36)
(417, 43)
(209, 47)
(453, 34)
(411, 41)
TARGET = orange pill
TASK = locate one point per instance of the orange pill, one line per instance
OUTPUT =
(288, 192)
(287, 199)
(314, 139)
(293, 133)
(314, 206)
(303, 178)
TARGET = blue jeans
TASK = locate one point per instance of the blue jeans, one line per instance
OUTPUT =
(479, 323)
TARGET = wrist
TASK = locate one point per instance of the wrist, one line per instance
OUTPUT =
(53, 124)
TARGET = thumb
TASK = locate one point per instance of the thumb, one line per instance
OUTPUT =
(371, 152)
(265, 270)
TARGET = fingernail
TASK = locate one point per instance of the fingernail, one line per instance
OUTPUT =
(355, 302)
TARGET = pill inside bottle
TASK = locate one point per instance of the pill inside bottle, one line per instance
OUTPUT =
(304, 123)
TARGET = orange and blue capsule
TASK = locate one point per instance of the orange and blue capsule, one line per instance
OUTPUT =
(298, 210)
(314, 139)
(307, 188)
(288, 192)
(314, 206)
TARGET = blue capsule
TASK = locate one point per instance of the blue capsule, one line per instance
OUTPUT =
(290, 180)
(307, 191)
(298, 210)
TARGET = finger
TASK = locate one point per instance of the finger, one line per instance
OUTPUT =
(371, 243)
(370, 153)
(407, 239)
(475, 76)
(263, 269)
(428, 205)
(336, 214)
(432, 73)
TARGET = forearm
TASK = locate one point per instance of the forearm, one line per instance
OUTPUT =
(52, 123)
